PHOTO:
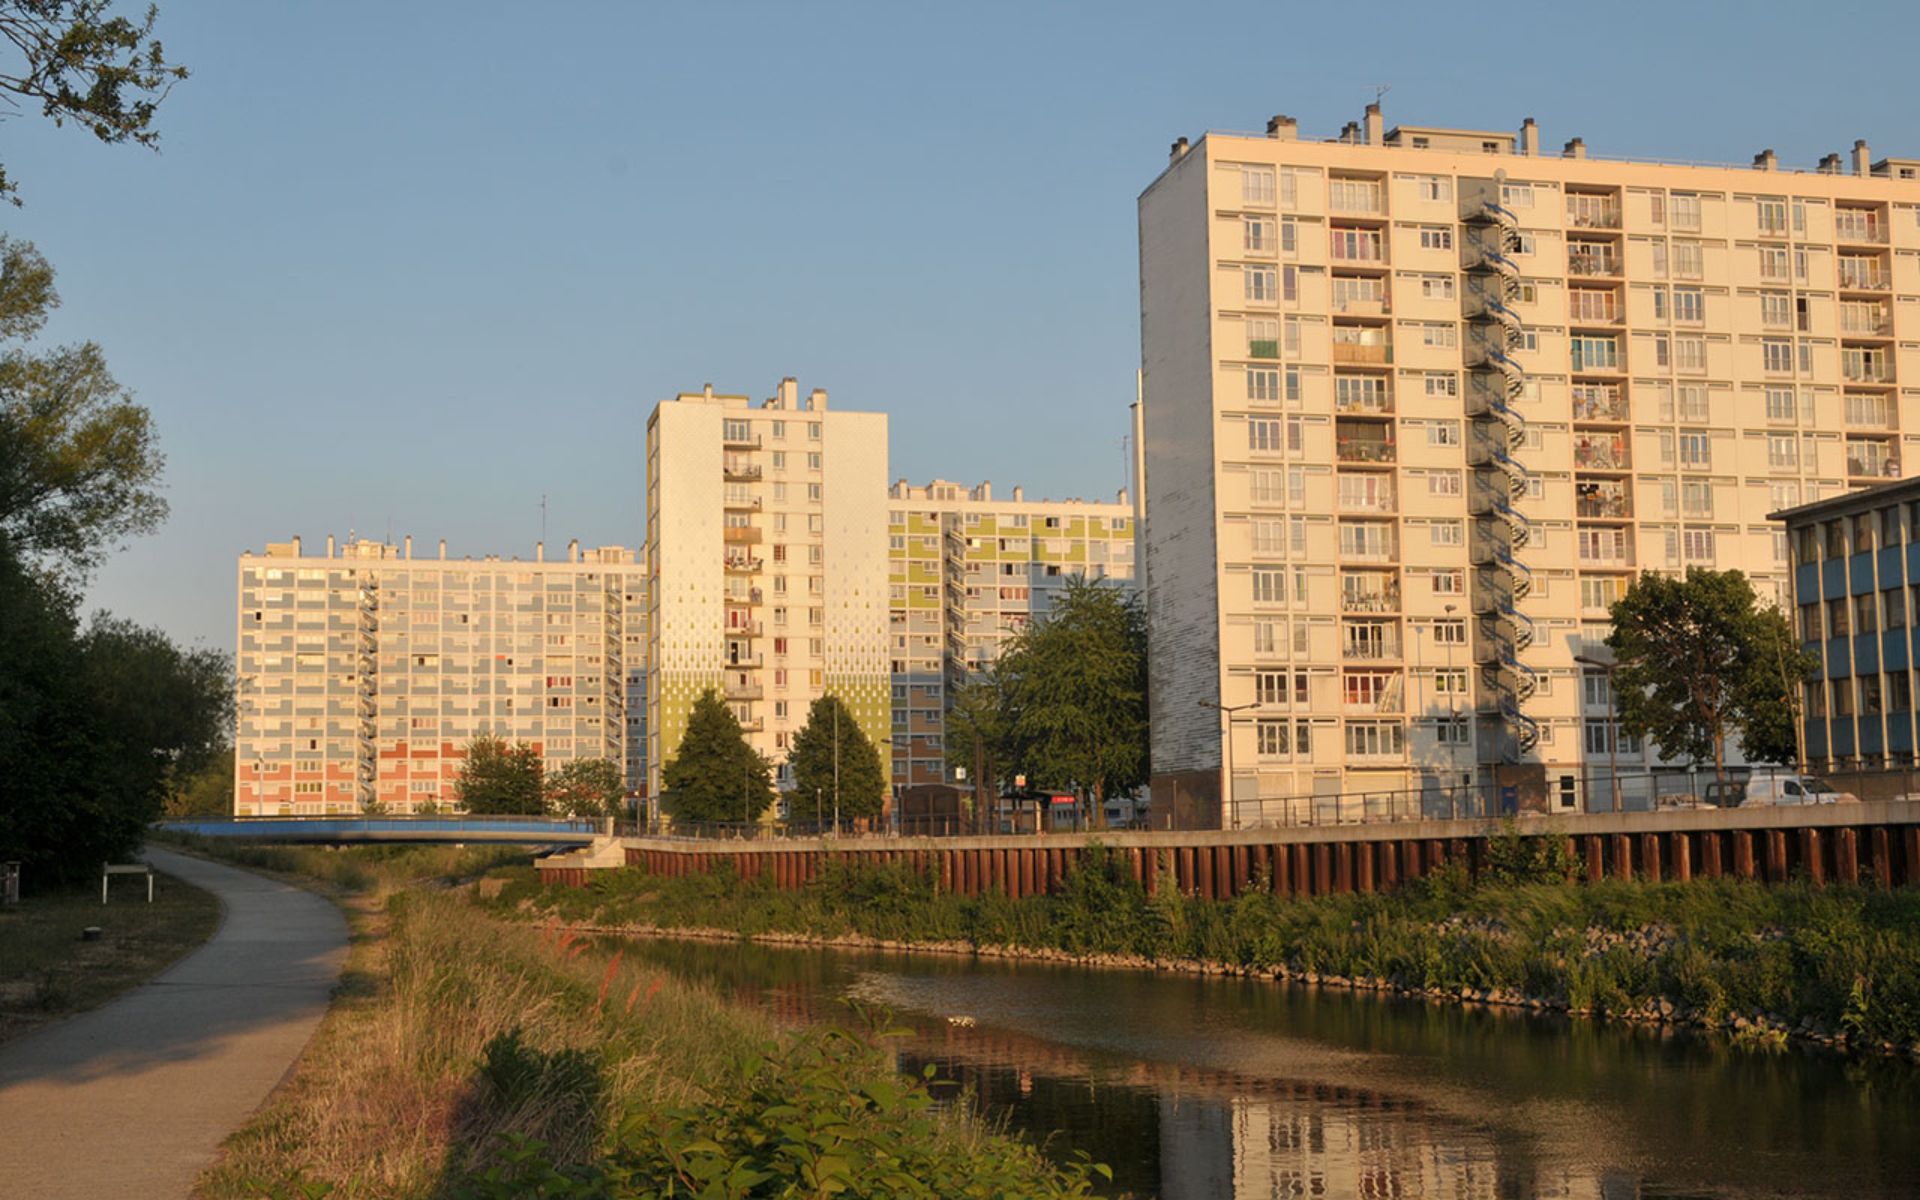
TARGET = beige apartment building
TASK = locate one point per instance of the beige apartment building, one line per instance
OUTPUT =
(364, 672)
(1419, 403)
(766, 563)
(970, 570)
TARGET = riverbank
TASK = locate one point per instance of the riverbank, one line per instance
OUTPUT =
(466, 1055)
(47, 972)
(1763, 965)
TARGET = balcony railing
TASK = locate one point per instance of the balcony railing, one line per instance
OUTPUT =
(1592, 216)
(1872, 466)
(1603, 507)
(1370, 651)
(1263, 348)
(743, 534)
(740, 441)
(1361, 306)
(742, 629)
(1375, 405)
(1865, 324)
(1362, 352)
(744, 691)
(1862, 276)
(1585, 263)
(741, 470)
(1602, 455)
(1608, 406)
(741, 503)
(1371, 602)
(1871, 232)
(742, 563)
(1364, 450)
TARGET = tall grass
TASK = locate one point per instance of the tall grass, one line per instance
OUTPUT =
(1834, 960)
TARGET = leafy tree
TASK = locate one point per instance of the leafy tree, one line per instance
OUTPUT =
(1700, 661)
(81, 63)
(861, 783)
(501, 779)
(715, 775)
(1772, 689)
(207, 792)
(587, 787)
(79, 467)
(1075, 687)
(977, 738)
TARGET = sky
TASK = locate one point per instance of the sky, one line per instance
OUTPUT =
(410, 267)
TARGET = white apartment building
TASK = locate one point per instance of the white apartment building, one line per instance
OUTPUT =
(1419, 403)
(969, 571)
(767, 564)
(363, 673)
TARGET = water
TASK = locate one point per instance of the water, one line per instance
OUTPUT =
(1199, 1087)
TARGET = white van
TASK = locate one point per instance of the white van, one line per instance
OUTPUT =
(1776, 789)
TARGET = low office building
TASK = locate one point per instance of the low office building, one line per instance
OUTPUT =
(363, 673)
(766, 565)
(969, 571)
(1856, 589)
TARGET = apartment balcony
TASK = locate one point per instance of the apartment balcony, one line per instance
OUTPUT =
(738, 469)
(1602, 502)
(1371, 651)
(739, 441)
(1871, 460)
(1263, 348)
(744, 691)
(1386, 600)
(740, 534)
(1858, 229)
(740, 503)
(746, 596)
(1608, 406)
(1373, 354)
(1875, 324)
(1352, 449)
(1592, 212)
(1363, 404)
(1862, 275)
(1390, 703)
(742, 629)
(1601, 454)
(1604, 361)
(1593, 264)
(1872, 370)
(742, 564)
(753, 725)
(1361, 306)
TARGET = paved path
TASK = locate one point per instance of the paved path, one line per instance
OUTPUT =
(133, 1098)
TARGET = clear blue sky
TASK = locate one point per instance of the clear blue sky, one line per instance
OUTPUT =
(418, 263)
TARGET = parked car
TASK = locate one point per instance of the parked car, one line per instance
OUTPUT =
(1763, 790)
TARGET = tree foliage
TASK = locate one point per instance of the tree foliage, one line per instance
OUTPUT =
(862, 780)
(79, 467)
(587, 787)
(1074, 688)
(501, 779)
(978, 738)
(1700, 661)
(80, 62)
(715, 775)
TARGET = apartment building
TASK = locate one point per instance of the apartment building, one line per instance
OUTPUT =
(1420, 402)
(968, 572)
(766, 564)
(364, 672)
(1856, 579)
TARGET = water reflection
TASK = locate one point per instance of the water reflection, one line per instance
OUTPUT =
(1194, 1087)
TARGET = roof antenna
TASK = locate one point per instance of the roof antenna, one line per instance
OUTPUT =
(543, 518)
(1380, 91)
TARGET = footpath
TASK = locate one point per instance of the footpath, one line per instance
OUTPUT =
(135, 1097)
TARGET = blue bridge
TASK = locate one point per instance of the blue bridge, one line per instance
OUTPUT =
(336, 831)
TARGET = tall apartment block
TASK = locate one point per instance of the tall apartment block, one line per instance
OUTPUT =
(968, 572)
(766, 564)
(364, 673)
(1419, 403)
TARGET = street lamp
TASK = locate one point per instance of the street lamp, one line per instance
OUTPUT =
(1613, 721)
(1233, 801)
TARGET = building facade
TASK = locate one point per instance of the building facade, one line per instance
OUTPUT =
(1856, 583)
(1418, 405)
(363, 673)
(968, 572)
(766, 563)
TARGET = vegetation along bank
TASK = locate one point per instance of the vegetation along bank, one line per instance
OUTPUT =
(1837, 966)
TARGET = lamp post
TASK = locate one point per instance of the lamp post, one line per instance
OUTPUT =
(1613, 721)
(1232, 801)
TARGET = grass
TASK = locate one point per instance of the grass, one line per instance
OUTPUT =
(1838, 963)
(467, 1056)
(47, 972)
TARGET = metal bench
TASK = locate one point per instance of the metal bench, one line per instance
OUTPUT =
(108, 871)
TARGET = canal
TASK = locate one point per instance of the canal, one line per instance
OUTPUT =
(1194, 1087)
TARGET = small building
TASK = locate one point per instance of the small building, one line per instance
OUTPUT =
(1856, 583)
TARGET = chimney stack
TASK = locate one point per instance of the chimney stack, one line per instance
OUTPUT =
(1766, 160)
(1575, 148)
(539, 552)
(296, 545)
(443, 549)
(1830, 165)
(1862, 160)
(573, 550)
(1529, 137)
(407, 543)
(1350, 132)
(1177, 151)
(1283, 128)
(329, 545)
(1019, 494)
(1376, 125)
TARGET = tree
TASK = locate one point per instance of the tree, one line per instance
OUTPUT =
(587, 787)
(860, 782)
(715, 775)
(1772, 689)
(80, 63)
(499, 779)
(1075, 687)
(976, 736)
(79, 467)
(1696, 656)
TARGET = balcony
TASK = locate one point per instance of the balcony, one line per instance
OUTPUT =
(744, 691)
(1371, 649)
(744, 662)
(754, 725)
(1263, 348)
(1604, 358)
(1362, 403)
(1871, 460)
(1599, 404)
(746, 596)
(1382, 600)
(1860, 321)
(1354, 449)
(742, 629)
(1363, 353)
(742, 564)
(1859, 228)
(740, 535)
(1601, 454)
(1593, 263)
(1592, 212)
(1361, 306)
(735, 439)
(1602, 501)
(1862, 274)
(737, 469)
(1873, 369)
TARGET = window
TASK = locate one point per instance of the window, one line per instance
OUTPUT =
(1771, 216)
(1436, 287)
(1257, 234)
(1696, 449)
(1263, 337)
(1899, 692)
(1263, 434)
(1688, 259)
(1776, 310)
(1689, 304)
(1433, 187)
(1773, 262)
(1261, 284)
(1783, 450)
(1444, 483)
(1436, 237)
(1810, 628)
(1697, 545)
(1446, 533)
(1439, 336)
(1601, 591)
(1866, 614)
(1449, 583)
(1780, 404)
(1685, 210)
(1690, 353)
(1375, 738)
(1595, 353)
(1353, 195)
(1441, 383)
(1839, 618)
(1270, 587)
(1449, 633)
(1443, 433)
(1517, 195)
(1266, 486)
(1776, 356)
